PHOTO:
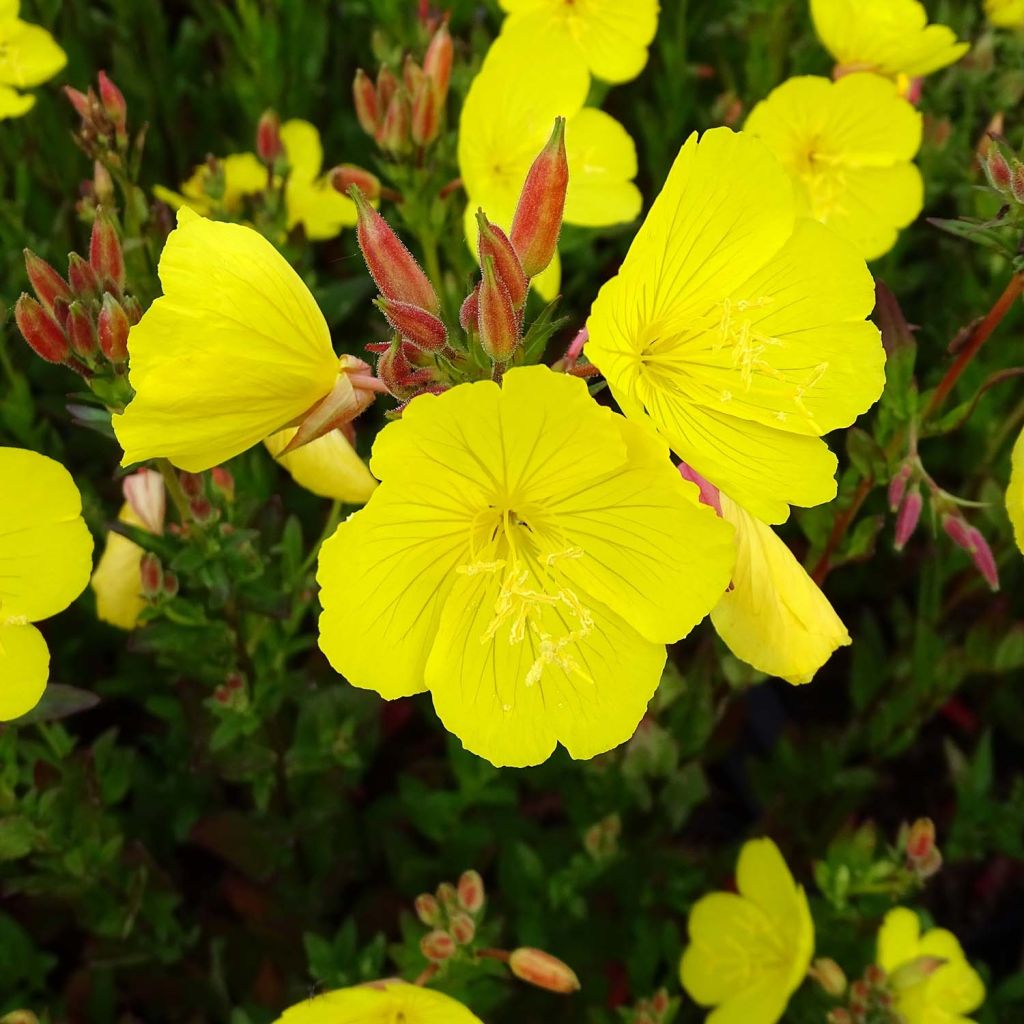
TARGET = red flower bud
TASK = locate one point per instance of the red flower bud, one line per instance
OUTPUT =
(494, 243)
(997, 170)
(921, 839)
(471, 891)
(133, 309)
(113, 103)
(428, 910)
(412, 74)
(898, 486)
(984, 560)
(543, 970)
(957, 530)
(40, 330)
(538, 218)
(660, 1002)
(1017, 181)
(393, 135)
(268, 137)
(191, 484)
(46, 282)
(105, 253)
(223, 481)
(84, 282)
(498, 320)
(171, 584)
(437, 62)
(387, 86)
(345, 176)
(437, 946)
(152, 574)
(112, 327)
(81, 331)
(364, 96)
(80, 101)
(423, 329)
(426, 114)
(470, 311)
(391, 265)
(447, 895)
(874, 975)
(462, 928)
(400, 376)
(908, 518)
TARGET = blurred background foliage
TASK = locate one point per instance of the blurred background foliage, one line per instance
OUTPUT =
(166, 859)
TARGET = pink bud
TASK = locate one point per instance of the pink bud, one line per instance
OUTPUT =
(423, 329)
(113, 103)
(462, 928)
(345, 176)
(984, 560)
(268, 137)
(81, 331)
(437, 946)
(152, 574)
(393, 135)
(898, 485)
(364, 95)
(543, 970)
(387, 86)
(470, 311)
(538, 218)
(191, 484)
(223, 481)
(908, 518)
(84, 282)
(425, 123)
(498, 321)
(112, 327)
(80, 101)
(494, 243)
(46, 282)
(437, 62)
(40, 330)
(997, 170)
(921, 839)
(428, 910)
(144, 491)
(105, 253)
(471, 891)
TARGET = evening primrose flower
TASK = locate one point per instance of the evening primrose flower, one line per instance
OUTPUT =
(45, 561)
(29, 56)
(1005, 13)
(849, 146)
(890, 37)
(328, 466)
(235, 350)
(749, 951)
(379, 1003)
(738, 328)
(943, 995)
(610, 36)
(242, 175)
(502, 129)
(526, 557)
(1015, 492)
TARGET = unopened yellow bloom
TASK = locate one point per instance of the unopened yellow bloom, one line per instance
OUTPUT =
(611, 36)
(383, 1003)
(526, 558)
(29, 56)
(849, 146)
(945, 995)
(235, 349)
(503, 128)
(1015, 492)
(749, 951)
(328, 466)
(890, 37)
(738, 328)
(45, 561)
(243, 175)
(1005, 13)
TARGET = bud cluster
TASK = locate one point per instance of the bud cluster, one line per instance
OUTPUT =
(1005, 176)
(453, 915)
(103, 130)
(232, 694)
(658, 1009)
(916, 842)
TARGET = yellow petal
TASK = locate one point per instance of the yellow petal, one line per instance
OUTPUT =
(305, 154)
(117, 581)
(244, 174)
(764, 1003)
(1005, 13)
(45, 547)
(319, 208)
(29, 55)
(602, 165)
(328, 467)
(1015, 492)
(386, 1005)
(774, 617)
(234, 350)
(24, 669)
(898, 938)
(14, 103)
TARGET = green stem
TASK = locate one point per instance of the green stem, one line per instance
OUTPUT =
(174, 489)
(333, 517)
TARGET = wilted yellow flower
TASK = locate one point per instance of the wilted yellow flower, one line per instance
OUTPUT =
(1015, 492)
(381, 1003)
(29, 56)
(750, 951)
(610, 36)
(526, 558)
(849, 146)
(890, 37)
(45, 561)
(1005, 13)
(944, 995)
(737, 327)
(234, 351)
(503, 128)
(328, 466)
(243, 175)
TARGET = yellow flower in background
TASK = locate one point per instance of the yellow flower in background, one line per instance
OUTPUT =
(29, 56)
(526, 557)
(750, 951)
(328, 466)
(942, 996)
(45, 561)
(382, 1003)
(243, 175)
(611, 37)
(117, 581)
(890, 37)
(503, 127)
(738, 328)
(1015, 492)
(849, 146)
(235, 349)
(1005, 13)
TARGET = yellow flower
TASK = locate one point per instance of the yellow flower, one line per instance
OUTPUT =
(29, 56)
(117, 581)
(1015, 492)
(944, 996)
(526, 558)
(849, 147)
(328, 466)
(310, 199)
(1005, 13)
(381, 1003)
(503, 127)
(891, 37)
(610, 36)
(244, 175)
(235, 349)
(749, 951)
(738, 328)
(45, 561)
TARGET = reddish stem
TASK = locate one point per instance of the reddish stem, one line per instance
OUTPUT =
(839, 529)
(426, 974)
(494, 954)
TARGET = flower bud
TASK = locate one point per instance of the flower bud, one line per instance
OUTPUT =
(345, 176)
(84, 282)
(908, 518)
(839, 1016)
(399, 375)
(428, 910)
(874, 976)
(538, 218)
(113, 103)
(40, 330)
(46, 282)
(997, 170)
(929, 865)
(913, 973)
(105, 254)
(81, 331)
(437, 62)
(462, 928)
(202, 511)
(536, 967)
(223, 482)
(423, 329)
(191, 484)
(391, 265)
(268, 137)
(469, 312)
(102, 184)
(151, 574)
(387, 86)
(171, 584)
(920, 839)
(471, 891)
(829, 975)
(364, 96)
(112, 327)
(660, 1002)
(984, 560)
(437, 946)
(494, 243)
(898, 486)
(425, 123)
(144, 491)
(498, 321)
(133, 309)
(393, 135)
(412, 74)
(1017, 181)
(448, 896)
(80, 101)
